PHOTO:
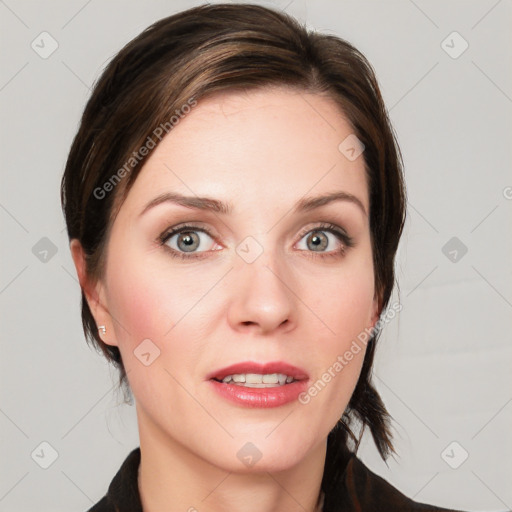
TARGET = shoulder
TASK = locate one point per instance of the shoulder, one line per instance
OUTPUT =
(362, 490)
(102, 506)
(123, 493)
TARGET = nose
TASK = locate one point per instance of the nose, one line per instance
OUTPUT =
(263, 298)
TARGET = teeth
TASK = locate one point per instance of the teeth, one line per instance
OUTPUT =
(253, 378)
(256, 380)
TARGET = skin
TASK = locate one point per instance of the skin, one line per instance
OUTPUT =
(262, 151)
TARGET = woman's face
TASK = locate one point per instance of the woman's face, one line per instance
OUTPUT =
(265, 282)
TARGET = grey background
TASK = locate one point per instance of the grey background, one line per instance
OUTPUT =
(443, 367)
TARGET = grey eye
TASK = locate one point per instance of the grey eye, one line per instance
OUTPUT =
(188, 241)
(317, 240)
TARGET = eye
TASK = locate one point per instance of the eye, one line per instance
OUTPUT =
(327, 240)
(187, 239)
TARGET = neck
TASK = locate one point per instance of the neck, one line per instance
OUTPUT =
(171, 477)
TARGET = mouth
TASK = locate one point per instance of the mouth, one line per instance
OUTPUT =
(254, 375)
(256, 380)
(257, 385)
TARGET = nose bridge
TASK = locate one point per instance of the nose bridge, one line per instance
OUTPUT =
(262, 288)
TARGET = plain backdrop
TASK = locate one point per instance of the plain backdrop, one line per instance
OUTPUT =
(443, 367)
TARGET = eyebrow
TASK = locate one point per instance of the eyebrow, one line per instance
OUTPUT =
(214, 205)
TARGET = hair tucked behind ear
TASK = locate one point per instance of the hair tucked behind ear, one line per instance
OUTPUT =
(231, 47)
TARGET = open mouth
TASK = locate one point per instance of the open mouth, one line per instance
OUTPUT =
(256, 380)
(262, 385)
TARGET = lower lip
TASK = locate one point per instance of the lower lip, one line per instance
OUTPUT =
(260, 397)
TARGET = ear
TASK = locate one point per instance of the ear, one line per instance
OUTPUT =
(94, 292)
(376, 309)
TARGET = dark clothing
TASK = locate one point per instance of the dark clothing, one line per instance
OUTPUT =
(355, 489)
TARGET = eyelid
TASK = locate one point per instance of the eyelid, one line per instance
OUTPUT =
(179, 228)
(331, 228)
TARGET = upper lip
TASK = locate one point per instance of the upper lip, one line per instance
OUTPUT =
(261, 368)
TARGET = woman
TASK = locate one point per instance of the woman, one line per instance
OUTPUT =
(234, 201)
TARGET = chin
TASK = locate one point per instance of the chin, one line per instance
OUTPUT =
(261, 455)
(266, 464)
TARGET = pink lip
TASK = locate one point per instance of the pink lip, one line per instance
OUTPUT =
(260, 397)
(265, 368)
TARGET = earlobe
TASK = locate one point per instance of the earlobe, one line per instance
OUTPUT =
(95, 295)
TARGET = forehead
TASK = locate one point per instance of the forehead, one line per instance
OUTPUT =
(245, 147)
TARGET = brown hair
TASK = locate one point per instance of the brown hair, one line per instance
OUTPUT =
(230, 47)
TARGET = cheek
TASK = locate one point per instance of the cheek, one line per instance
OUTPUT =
(147, 300)
(150, 301)
(147, 308)
(137, 305)
(345, 307)
(345, 303)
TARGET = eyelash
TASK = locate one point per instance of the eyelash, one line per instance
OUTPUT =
(347, 241)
